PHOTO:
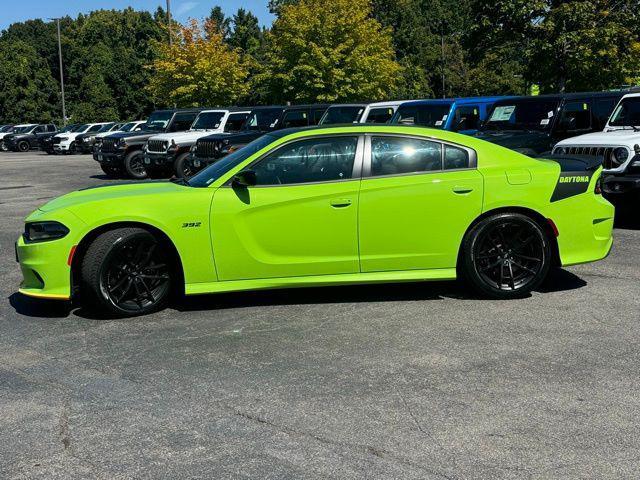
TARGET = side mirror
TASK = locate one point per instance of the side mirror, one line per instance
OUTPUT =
(245, 178)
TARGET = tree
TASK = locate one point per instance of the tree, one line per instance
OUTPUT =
(246, 34)
(319, 51)
(221, 21)
(198, 69)
(28, 90)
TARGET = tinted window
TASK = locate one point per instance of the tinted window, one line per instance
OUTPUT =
(183, 121)
(208, 121)
(455, 158)
(313, 160)
(295, 118)
(51, 128)
(395, 155)
(158, 120)
(235, 122)
(263, 119)
(380, 115)
(317, 116)
(95, 128)
(602, 108)
(39, 129)
(434, 116)
(576, 115)
(627, 114)
(522, 115)
(337, 115)
(467, 118)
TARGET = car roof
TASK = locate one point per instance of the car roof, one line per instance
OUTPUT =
(456, 100)
(567, 96)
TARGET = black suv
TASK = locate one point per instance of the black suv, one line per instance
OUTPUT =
(533, 125)
(28, 137)
(123, 152)
(261, 120)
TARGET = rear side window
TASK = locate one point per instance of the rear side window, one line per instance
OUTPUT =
(397, 156)
(380, 115)
(576, 115)
(467, 118)
(321, 159)
(295, 118)
(455, 158)
(39, 129)
(183, 121)
(51, 128)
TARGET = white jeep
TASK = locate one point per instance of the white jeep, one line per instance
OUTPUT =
(167, 153)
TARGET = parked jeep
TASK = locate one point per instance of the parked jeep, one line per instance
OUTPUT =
(167, 154)
(533, 125)
(28, 138)
(617, 147)
(261, 120)
(462, 115)
(379, 112)
(122, 153)
(85, 141)
(45, 140)
(15, 129)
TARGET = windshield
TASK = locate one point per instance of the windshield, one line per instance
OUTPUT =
(522, 115)
(337, 115)
(158, 120)
(69, 128)
(214, 171)
(106, 128)
(208, 121)
(627, 113)
(427, 115)
(262, 119)
(5, 128)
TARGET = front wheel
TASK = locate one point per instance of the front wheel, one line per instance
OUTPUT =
(134, 165)
(23, 146)
(506, 256)
(184, 167)
(126, 272)
(111, 172)
(3, 147)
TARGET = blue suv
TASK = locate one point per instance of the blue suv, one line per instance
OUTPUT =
(462, 115)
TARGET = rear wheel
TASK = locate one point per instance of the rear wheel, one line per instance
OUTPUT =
(506, 255)
(184, 168)
(23, 146)
(134, 165)
(125, 271)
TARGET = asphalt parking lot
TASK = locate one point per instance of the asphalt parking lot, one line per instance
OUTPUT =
(403, 381)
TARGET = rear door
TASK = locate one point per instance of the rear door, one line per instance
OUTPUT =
(417, 199)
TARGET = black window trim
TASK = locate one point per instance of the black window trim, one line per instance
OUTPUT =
(356, 174)
(366, 166)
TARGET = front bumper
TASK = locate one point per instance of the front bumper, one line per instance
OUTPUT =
(45, 265)
(159, 161)
(61, 147)
(618, 185)
(114, 159)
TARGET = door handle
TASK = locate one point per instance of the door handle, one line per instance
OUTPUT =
(340, 202)
(462, 190)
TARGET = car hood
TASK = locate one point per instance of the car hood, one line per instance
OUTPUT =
(129, 191)
(613, 137)
(190, 136)
(235, 137)
(69, 135)
(511, 138)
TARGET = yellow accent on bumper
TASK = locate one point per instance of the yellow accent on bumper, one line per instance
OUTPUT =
(48, 296)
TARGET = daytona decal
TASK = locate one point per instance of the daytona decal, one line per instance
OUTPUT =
(571, 184)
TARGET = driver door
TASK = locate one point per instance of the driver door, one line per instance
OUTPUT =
(301, 217)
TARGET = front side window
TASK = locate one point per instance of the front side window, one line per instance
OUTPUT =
(380, 115)
(235, 121)
(576, 116)
(397, 156)
(295, 118)
(182, 121)
(342, 114)
(627, 113)
(320, 159)
(426, 115)
(467, 118)
(536, 114)
(263, 119)
(38, 129)
(96, 128)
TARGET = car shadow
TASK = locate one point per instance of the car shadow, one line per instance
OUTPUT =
(627, 218)
(558, 280)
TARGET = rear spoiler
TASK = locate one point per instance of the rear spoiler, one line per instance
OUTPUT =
(576, 163)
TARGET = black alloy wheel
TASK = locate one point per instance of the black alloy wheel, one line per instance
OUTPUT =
(134, 165)
(73, 148)
(127, 271)
(184, 167)
(23, 146)
(506, 255)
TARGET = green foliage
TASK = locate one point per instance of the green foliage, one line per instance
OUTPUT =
(321, 51)
(246, 34)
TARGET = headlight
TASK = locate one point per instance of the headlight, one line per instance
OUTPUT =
(86, 139)
(620, 155)
(172, 147)
(122, 142)
(560, 151)
(43, 231)
(64, 139)
(195, 147)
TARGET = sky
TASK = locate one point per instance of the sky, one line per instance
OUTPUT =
(182, 10)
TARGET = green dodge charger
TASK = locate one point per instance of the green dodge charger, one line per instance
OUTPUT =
(322, 206)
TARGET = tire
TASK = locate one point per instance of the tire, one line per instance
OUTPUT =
(111, 172)
(183, 168)
(24, 146)
(3, 147)
(73, 148)
(505, 256)
(125, 272)
(134, 165)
